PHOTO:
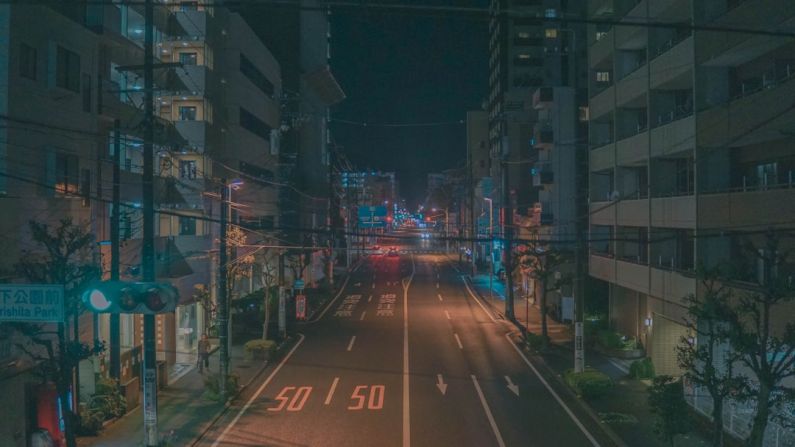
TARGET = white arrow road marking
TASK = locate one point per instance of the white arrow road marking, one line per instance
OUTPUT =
(350, 345)
(458, 340)
(447, 314)
(440, 384)
(440, 296)
(486, 408)
(511, 386)
(331, 391)
(363, 314)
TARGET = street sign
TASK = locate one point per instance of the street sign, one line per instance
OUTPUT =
(300, 307)
(31, 302)
(298, 284)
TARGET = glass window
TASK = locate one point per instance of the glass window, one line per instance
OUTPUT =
(187, 58)
(602, 76)
(66, 173)
(67, 69)
(187, 169)
(551, 33)
(27, 61)
(188, 6)
(187, 226)
(187, 113)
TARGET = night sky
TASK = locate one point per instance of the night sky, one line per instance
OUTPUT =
(408, 68)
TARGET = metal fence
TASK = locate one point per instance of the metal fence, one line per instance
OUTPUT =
(738, 417)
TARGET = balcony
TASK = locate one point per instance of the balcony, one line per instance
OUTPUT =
(750, 117)
(632, 213)
(632, 275)
(671, 285)
(762, 207)
(672, 61)
(193, 23)
(602, 267)
(673, 212)
(632, 36)
(632, 86)
(544, 137)
(633, 150)
(602, 213)
(673, 138)
(602, 103)
(602, 157)
(601, 50)
(194, 78)
(195, 133)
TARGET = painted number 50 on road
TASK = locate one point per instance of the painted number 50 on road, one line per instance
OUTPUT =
(373, 396)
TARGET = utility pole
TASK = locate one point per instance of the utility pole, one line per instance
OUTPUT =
(332, 217)
(507, 230)
(115, 218)
(148, 246)
(223, 304)
(472, 227)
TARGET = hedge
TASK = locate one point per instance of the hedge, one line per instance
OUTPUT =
(589, 384)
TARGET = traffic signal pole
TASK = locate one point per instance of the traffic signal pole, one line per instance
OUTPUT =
(148, 246)
(223, 305)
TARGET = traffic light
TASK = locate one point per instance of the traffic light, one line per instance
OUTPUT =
(119, 297)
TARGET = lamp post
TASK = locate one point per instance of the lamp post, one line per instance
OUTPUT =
(491, 241)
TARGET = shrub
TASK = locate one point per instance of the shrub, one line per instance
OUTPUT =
(534, 341)
(260, 349)
(212, 384)
(589, 384)
(642, 369)
(609, 339)
(667, 402)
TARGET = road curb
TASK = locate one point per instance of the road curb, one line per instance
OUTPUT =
(550, 372)
(207, 425)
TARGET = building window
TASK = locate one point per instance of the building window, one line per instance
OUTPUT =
(67, 69)
(551, 33)
(66, 173)
(254, 125)
(550, 13)
(187, 169)
(600, 35)
(187, 58)
(253, 74)
(188, 6)
(603, 76)
(85, 186)
(86, 92)
(187, 113)
(27, 61)
(187, 226)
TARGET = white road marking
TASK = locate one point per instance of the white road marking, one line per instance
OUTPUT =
(472, 294)
(331, 391)
(373, 286)
(440, 296)
(363, 314)
(440, 384)
(369, 298)
(511, 386)
(406, 408)
(447, 314)
(437, 276)
(331, 304)
(350, 345)
(554, 394)
(486, 408)
(258, 392)
(437, 285)
(458, 340)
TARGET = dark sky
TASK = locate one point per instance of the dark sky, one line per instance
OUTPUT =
(408, 68)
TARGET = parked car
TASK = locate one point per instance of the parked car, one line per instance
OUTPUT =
(392, 252)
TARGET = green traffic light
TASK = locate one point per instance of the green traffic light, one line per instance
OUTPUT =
(97, 300)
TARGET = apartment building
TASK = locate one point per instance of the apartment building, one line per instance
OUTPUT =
(691, 151)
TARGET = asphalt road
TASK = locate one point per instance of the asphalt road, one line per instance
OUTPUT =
(404, 356)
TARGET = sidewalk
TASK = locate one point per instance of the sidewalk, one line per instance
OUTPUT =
(181, 406)
(625, 412)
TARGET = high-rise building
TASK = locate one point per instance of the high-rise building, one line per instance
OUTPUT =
(691, 155)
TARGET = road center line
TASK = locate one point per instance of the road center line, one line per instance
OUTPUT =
(363, 314)
(369, 298)
(258, 392)
(406, 408)
(458, 340)
(486, 408)
(350, 345)
(331, 391)
(447, 314)
(554, 394)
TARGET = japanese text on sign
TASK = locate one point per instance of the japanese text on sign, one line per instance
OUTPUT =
(31, 302)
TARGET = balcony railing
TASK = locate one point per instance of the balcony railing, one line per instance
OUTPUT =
(749, 87)
(673, 115)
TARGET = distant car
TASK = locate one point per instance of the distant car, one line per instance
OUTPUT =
(392, 252)
(376, 247)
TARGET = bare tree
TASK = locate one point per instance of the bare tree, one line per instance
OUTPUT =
(269, 278)
(763, 347)
(705, 354)
(64, 258)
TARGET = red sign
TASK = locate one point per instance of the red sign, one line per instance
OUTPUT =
(300, 307)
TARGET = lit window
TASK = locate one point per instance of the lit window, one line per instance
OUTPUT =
(600, 35)
(523, 35)
(602, 76)
(550, 13)
(551, 33)
(523, 56)
(187, 113)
